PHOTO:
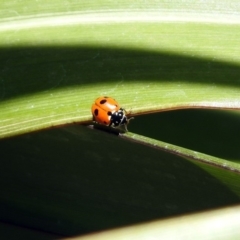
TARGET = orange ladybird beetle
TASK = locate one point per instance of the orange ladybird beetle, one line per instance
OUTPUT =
(106, 111)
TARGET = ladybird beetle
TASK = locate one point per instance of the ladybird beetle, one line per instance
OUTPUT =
(106, 111)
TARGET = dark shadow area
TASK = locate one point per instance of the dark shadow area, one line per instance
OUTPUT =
(214, 132)
(33, 69)
(76, 180)
(10, 232)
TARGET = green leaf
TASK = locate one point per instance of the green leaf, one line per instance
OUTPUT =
(76, 180)
(208, 131)
(197, 226)
(51, 75)
(154, 56)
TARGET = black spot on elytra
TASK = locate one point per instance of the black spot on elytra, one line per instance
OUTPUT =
(103, 101)
(96, 112)
(109, 113)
